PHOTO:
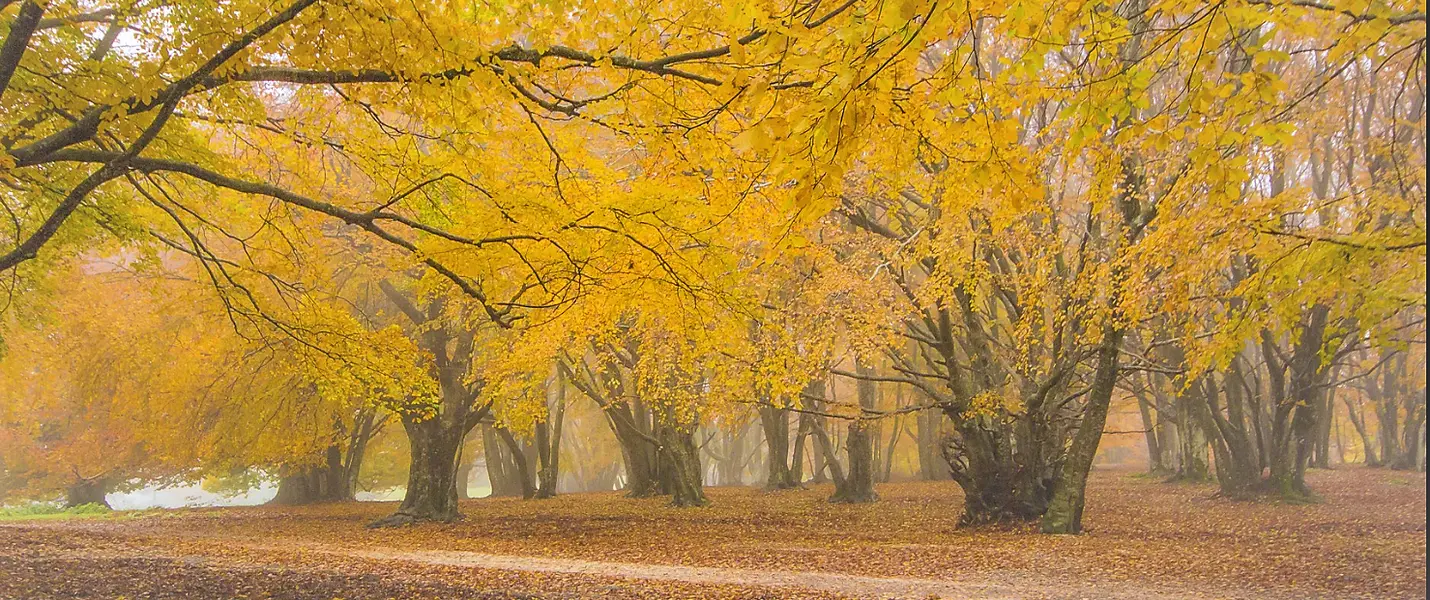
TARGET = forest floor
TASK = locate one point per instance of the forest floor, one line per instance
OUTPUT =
(1144, 539)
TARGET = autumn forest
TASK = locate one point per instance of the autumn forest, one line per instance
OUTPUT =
(316, 299)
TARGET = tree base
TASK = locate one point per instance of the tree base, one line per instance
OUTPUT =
(853, 498)
(689, 502)
(401, 519)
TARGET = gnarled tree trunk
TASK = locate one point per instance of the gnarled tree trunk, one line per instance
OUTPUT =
(680, 470)
(87, 491)
(432, 473)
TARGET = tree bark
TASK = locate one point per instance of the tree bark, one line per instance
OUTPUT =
(1064, 513)
(775, 424)
(1371, 460)
(680, 469)
(548, 444)
(87, 491)
(432, 474)
(328, 481)
(857, 486)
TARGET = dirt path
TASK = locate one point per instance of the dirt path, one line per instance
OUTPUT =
(850, 585)
(213, 550)
(1013, 586)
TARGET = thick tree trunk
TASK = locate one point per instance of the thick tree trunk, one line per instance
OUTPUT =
(775, 424)
(1193, 466)
(639, 451)
(858, 484)
(1302, 381)
(87, 491)
(432, 473)
(1237, 468)
(680, 471)
(995, 490)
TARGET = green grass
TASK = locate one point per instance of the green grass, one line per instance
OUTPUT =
(51, 510)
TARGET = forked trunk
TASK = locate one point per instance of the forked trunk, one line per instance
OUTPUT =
(1064, 513)
(775, 424)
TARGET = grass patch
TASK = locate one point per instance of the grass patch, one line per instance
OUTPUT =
(52, 510)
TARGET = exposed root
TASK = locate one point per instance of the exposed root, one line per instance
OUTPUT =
(402, 519)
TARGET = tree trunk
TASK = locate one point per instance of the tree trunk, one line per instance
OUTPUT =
(1193, 466)
(1238, 470)
(775, 424)
(888, 470)
(329, 481)
(334, 476)
(797, 463)
(548, 446)
(932, 466)
(466, 464)
(680, 471)
(521, 466)
(1371, 460)
(1321, 446)
(87, 491)
(432, 474)
(639, 451)
(502, 474)
(1388, 412)
(1301, 381)
(1064, 513)
(820, 459)
(857, 486)
(1409, 457)
(1149, 429)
